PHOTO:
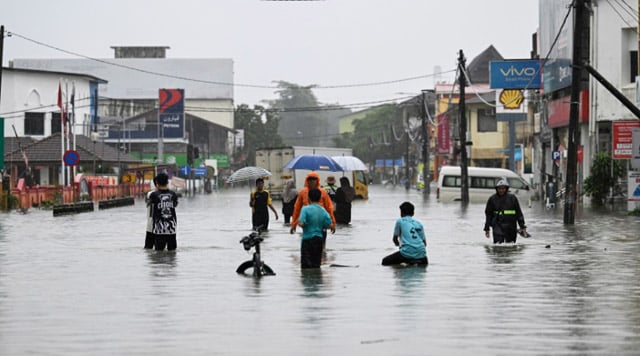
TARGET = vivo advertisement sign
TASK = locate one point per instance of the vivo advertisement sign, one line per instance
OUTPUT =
(517, 74)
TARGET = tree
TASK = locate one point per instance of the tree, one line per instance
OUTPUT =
(373, 137)
(260, 127)
(601, 180)
(302, 121)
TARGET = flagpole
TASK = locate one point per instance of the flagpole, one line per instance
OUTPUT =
(73, 120)
(62, 123)
(66, 107)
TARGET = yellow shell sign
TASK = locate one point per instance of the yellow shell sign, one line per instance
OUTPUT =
(511, 98)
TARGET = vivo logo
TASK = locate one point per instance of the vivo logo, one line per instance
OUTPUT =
(516, 74)
(513, 71)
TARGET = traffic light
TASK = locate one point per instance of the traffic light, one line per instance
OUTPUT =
(189, 154)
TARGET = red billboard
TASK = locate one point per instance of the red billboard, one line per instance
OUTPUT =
(559, 110)
(623, 138)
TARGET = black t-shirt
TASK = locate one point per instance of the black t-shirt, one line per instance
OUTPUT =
(163, 210)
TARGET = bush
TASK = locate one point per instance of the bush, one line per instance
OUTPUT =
(600, 182)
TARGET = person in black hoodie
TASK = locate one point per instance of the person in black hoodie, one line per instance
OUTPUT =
(503, 213)
(344, 197)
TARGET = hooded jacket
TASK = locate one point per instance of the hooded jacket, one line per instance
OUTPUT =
(303, 199)
(503, 211)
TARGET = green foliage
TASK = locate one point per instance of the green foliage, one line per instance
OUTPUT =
(635, 212)
(373, 137)
(302, 123)
(601, 180)
(260, 130)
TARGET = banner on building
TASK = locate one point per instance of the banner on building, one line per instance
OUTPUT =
(622, 138)
(171, 113)
(444, 133)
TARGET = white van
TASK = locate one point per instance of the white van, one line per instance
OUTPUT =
(482, 183)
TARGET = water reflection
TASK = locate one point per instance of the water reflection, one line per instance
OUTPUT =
(312, 282)
(162, 263)
(409, 278)
(504, 253)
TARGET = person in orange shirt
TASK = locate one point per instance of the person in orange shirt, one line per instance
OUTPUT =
(313, 181)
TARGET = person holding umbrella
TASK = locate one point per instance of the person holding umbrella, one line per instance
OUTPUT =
(259, 201)
(312, 181)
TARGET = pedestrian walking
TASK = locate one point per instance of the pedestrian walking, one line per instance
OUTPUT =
(149, 239)
(331, 188)
(408, 234)
(502, 214)
(260, 202)
(312, 181)
(344, 196)
(314, 219)
(288, 201)
(163, 204)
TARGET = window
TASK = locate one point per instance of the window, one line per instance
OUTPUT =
(55, 123)
(34, 124)
(452, 181)
(487, 120)
(516, 183)
(483, 182)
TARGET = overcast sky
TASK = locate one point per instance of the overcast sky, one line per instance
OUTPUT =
(327, 43)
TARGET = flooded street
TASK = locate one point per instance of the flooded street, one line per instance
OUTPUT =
(83, 284)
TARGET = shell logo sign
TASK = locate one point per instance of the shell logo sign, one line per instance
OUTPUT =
(511, 99)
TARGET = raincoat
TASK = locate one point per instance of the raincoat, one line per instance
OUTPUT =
(303, 199)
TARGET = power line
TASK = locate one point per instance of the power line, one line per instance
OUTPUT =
(621, 16)
(172, 76)
(18, 113)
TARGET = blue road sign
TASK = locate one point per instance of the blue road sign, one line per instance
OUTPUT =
(185, 170)
(200, 171)
(71, 158)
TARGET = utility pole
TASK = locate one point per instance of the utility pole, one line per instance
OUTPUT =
(464, 176)
(425, 147)
(571, 193)
(1, 50)
(407, 184)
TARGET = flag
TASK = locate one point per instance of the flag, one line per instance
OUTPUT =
(72, 124)
(60, 105)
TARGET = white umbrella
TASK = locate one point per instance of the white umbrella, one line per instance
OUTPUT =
(248, 173)
(350, 163)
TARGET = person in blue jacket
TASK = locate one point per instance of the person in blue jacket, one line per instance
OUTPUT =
(408, 234)
(314, 219)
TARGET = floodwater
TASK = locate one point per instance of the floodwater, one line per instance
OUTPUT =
(83, 285)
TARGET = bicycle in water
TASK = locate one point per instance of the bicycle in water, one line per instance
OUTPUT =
(258, 267)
